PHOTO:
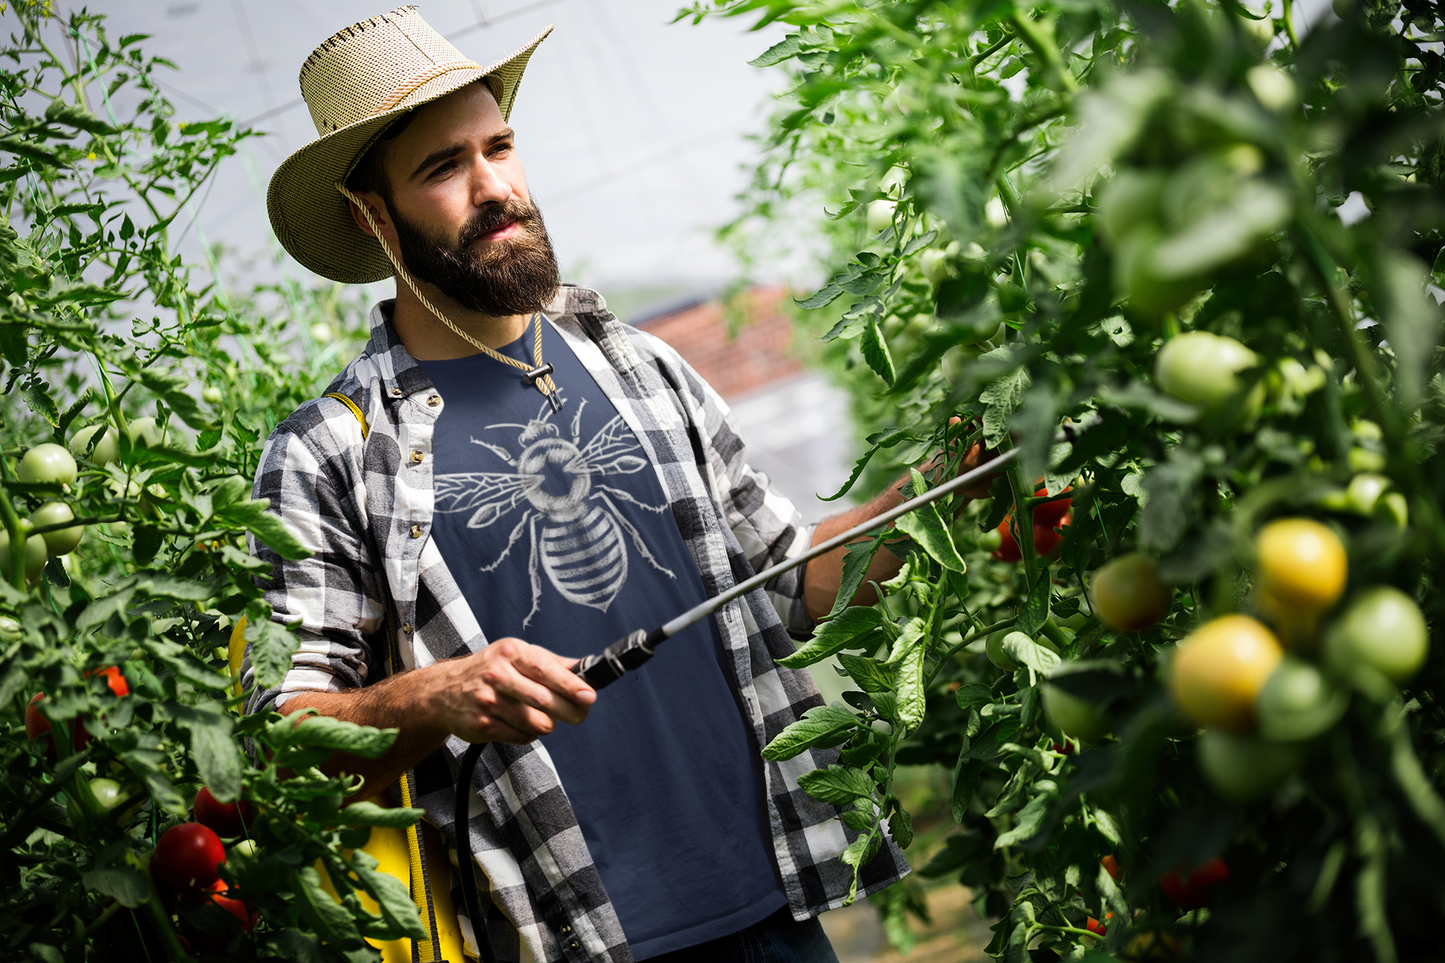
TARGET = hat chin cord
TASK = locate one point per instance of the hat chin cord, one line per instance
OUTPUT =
(540, 375)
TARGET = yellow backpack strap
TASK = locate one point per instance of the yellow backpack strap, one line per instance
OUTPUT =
(422, 951)
(355, 410)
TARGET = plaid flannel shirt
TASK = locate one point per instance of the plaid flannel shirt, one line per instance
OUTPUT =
(365, 511)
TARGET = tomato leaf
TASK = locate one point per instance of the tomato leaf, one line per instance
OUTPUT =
(857, 627)
(869, 675)
(1035, 611)
(214, 749)
(370, 814)
(392, 897)
(838, 785)
(876, 353)
(820, 726)
(855, 567)
(926, 527)
(124, 884)
(269, 647)
(1030, 818)
(912, 693)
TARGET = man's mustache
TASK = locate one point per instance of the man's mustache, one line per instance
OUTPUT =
(493, 217)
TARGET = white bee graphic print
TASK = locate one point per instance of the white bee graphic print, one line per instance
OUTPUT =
(580, 544)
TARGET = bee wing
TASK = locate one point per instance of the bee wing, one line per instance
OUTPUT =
(491, 494)
(607, 452)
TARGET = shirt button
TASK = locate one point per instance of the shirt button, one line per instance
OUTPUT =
(406, 627)
(416, 531)
(564, 929)
(416, 457)
(396, 392)
(434, 400)
(573, 945)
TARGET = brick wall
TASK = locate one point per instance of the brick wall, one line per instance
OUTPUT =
(761, 353)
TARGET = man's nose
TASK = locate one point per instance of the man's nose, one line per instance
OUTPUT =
(488, 185)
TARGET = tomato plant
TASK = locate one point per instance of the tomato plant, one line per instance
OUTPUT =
(131, 490)
(1140, 203)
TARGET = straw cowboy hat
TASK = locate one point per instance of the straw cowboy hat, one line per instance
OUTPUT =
(355, 84)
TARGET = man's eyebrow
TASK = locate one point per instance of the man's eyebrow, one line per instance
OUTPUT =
(452, 150)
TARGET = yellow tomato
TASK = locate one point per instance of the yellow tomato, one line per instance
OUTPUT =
(1301, 563)
(1128, 594)
(1218, 671)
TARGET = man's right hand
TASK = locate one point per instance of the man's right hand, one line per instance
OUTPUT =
(510, 691)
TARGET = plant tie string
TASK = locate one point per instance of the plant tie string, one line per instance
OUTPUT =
(538, 374)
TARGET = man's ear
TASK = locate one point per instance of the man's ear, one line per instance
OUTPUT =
(375, 205)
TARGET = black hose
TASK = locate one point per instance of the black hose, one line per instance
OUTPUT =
(461, 820)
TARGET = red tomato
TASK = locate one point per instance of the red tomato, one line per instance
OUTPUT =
(1111, 865)
(1048, 539)
(113, 678)
(187, 859)
(36, 726)
(1193, 891)
(1008, 549)
(1094, 926)
(213, 942)
(225, 819)
(1051, 514)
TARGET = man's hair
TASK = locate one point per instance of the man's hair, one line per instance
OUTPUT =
(369, 174)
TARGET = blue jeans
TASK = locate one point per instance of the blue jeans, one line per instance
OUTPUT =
(777, 939)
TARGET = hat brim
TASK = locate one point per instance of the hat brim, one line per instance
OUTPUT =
(310, 217)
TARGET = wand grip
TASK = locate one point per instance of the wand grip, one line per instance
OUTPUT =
(619, 658)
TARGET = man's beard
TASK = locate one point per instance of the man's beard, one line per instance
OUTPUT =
(500, 278)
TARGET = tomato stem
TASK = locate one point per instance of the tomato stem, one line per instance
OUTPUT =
(11, 520)
(1403, 464)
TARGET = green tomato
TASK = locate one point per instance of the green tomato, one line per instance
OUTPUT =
(61, 541)
(107, 792)
(880, 215)
(105, 450)
(1202, 368)
(1130, 201)
(1382, 628)
(1298, 702)
(972, 331)
(1365, 459)
(1273, 87)
(1244, 767)
(1393, 508)
(918, 324)
(245, 849)
(47, 464)
(1073, 715)
(34, 555)
(934, 264)
(1128, 594)
(145, 432)
(212, 395)
(996, 654)
(1365, 490)
(1141, 278)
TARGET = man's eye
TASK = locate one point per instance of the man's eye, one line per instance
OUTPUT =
(443, 167)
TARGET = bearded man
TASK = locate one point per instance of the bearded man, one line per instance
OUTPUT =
(505, 461)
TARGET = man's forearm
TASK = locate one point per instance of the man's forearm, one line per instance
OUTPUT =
(825, 573)
(382, 706)
(509, 691)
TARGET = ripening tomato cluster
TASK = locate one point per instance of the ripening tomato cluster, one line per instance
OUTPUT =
(37, 726)
(1265, 686)
(186, 866)
(1049, 521)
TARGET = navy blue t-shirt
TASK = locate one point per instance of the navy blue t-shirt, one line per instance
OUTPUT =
(556, 528)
